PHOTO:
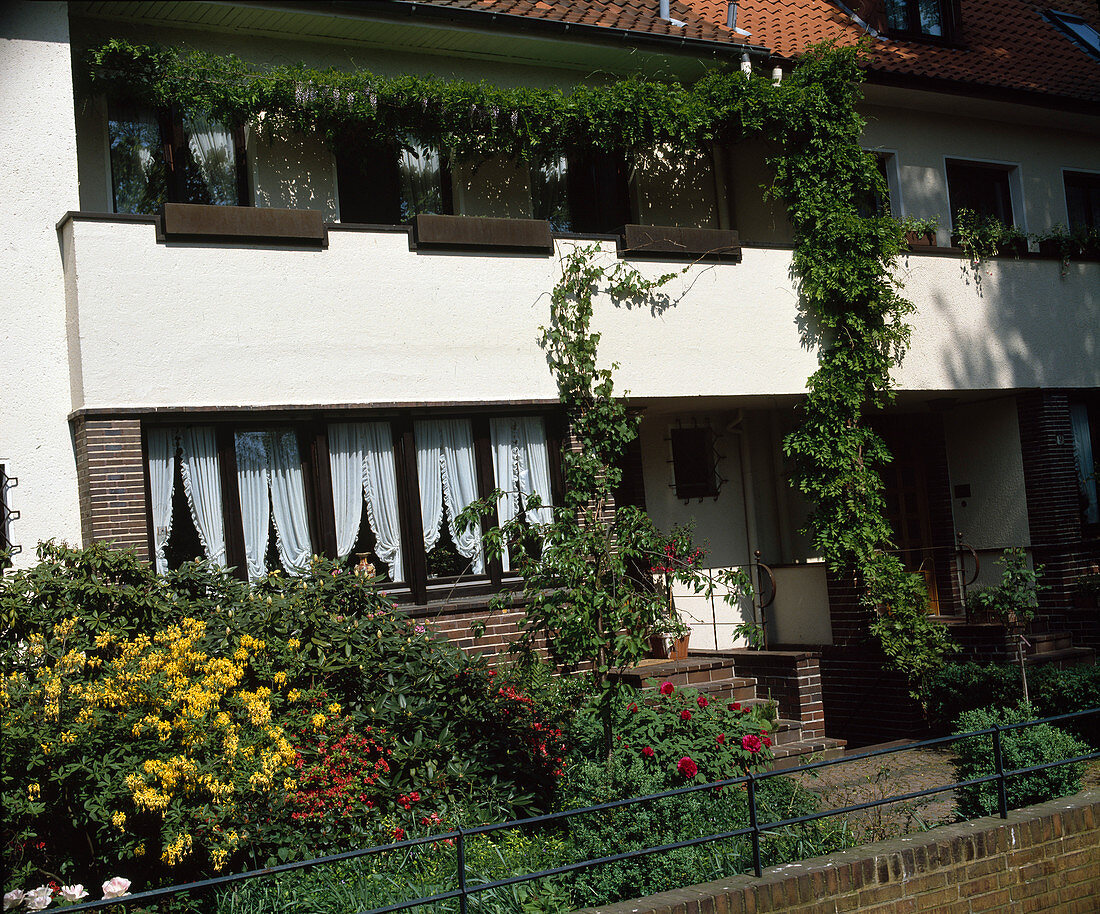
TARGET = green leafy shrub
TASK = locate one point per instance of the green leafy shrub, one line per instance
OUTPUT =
(1016, 599)
(1021, 748)
(961, 687)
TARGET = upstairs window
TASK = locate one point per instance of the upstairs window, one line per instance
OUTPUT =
(585, 192)
(164, 157)
(869, 203)
(1083, 199)
(922, 19)
(391, 183)
(1078, 30)
(983, 188)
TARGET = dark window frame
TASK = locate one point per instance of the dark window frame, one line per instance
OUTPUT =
(950, 22)
(368, 185)
(1088, 183)
(1065, 22)
(7, 515)
(173, 147)
(418, 587)
(975, 167)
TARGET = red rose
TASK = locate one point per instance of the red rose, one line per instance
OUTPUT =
(685, 714)
(648, 752)
(399, 834)
(766, 740)
(734, 706)
(633, 709)
(701, 701)
(687, 767)
(750, 743)
(721, 739)
(667, 688)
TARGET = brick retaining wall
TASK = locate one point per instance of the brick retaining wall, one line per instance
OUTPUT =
(1042, 858)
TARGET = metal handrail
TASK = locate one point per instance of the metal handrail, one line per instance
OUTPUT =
(755, 828)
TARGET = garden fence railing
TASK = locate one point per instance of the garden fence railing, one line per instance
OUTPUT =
(755, 829)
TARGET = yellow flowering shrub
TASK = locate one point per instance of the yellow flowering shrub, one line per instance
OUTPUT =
(161, 744)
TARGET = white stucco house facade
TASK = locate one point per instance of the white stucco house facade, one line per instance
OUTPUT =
(339, 377)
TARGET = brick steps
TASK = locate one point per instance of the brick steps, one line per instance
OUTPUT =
(712, 674)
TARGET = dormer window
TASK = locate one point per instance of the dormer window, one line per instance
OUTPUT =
(1076, 28)
(922, 19)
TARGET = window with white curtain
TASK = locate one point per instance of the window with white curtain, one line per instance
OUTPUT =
(383, 490)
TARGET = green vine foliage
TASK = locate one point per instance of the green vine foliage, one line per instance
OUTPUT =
(853, 310)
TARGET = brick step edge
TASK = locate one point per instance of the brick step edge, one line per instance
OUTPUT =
(792, 755)
(1071, 655)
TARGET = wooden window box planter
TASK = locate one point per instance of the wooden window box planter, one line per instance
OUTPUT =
(192, 221)
(668, 242)
(531, 236)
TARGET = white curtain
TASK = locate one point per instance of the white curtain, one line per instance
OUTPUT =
(252, 476)
(363, 469)
(288, 502)
(345, 457)
(1086, 466)
(162, 466)
(203, 486)
(211, 146)
(521, 465)
(448, 477)
(380, 486)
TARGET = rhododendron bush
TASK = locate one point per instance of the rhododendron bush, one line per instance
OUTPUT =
(184, 725)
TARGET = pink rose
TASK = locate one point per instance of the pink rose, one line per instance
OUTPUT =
(667, 688)
(750, 743)
(116, 887)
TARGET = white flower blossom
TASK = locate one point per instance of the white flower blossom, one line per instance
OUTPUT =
(14, 899)
(116, 887)
(39, 899)
(73, 892)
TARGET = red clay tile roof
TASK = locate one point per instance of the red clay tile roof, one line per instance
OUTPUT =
(1006, 44)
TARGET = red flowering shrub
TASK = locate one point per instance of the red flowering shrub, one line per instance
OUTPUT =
(713, 737)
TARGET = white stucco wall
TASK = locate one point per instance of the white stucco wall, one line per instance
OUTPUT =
(367, 320)
(983, 451)
(800, 612)
(38, 182)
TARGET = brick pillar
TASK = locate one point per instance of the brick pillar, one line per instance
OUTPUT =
(1053, 501)
(111, 479)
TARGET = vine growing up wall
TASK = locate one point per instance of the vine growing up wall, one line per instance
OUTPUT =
(855, 315)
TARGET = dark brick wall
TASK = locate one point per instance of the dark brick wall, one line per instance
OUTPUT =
(1043, 858)
(1054, 511)
(111, 480)
(792, 678)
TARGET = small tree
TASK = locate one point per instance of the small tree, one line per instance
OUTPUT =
(596, 579)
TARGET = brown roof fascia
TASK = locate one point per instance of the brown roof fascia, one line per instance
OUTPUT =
(978, 90)
(490, 19)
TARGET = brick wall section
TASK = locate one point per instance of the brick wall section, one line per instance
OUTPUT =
(111, 481)
(792, 678)
(1043, 858)
(455, 619)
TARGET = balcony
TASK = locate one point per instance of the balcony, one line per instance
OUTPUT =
(364, 316)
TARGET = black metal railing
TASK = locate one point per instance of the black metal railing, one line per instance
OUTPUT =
(755, 830)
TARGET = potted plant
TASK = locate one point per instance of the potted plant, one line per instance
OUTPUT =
(1088, 240)
(982, 237)
(1015, 600)
(1058, 242)
(920, 232)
